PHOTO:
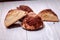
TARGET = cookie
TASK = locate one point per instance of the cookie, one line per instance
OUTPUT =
(13, 16)
(48, 15)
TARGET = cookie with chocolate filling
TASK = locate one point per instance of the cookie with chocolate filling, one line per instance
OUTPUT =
(32, 22)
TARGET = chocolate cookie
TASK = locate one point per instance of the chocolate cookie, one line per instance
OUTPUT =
(32, 22)
(25, 8)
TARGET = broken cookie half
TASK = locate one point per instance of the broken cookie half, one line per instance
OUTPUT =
(25, 8)
(48, 15)
(13, 16)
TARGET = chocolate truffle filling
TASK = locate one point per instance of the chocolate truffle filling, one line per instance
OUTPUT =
(32, 23)
(36, 22)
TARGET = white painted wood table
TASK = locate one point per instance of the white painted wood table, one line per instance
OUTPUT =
(49, 32)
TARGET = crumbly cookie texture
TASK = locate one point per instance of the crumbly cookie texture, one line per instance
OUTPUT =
(48, 15)
(13, 16)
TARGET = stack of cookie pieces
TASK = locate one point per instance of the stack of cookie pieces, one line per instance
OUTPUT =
(29, 20)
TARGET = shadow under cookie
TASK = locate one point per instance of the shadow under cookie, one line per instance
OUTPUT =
(14, 26)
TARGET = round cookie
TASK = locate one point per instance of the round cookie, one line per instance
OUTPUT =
(32, 22)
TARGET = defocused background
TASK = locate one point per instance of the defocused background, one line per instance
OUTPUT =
(26, 0)
(19, 0)
(10, 0)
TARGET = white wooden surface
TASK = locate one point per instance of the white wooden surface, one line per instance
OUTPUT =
(49, 32)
